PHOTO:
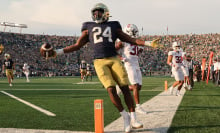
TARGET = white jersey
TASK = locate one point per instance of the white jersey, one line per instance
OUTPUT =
(177, 66)
(177, 58)
(216, 66)
(26, 68)
(130, 53)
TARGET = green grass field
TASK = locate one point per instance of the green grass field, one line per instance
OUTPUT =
(74, 108)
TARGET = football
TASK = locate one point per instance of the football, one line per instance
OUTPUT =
(47, 50)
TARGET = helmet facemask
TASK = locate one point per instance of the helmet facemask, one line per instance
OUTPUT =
(7, 56)
(131, 30)
(100, 13)
(176, 46)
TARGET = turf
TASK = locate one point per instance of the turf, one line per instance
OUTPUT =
(72, 103)
(199, 111)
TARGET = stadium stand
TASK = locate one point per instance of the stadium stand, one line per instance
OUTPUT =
(24, 48)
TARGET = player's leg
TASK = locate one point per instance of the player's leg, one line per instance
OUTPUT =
(179, 77)
(90, 76)
(27, 76)
(87, 75)
(135, 78)
(120, 75)
(8, 75)
(105, 76)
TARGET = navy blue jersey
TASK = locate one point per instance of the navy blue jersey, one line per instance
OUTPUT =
(8, 63)
(102, 37)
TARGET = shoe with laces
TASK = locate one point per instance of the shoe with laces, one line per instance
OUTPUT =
(171, 90)
(140, 110)
(178, 93)
(136, 124)
(10, 84)
(190, 87)
(127, 121)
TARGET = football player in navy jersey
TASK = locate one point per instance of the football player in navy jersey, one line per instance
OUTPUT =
(9, 65)
(83, 70)
(88, 72)
(102, 34)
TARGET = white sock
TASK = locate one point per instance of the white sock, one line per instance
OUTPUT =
(133, 115)
(124, 113)
(138, 105)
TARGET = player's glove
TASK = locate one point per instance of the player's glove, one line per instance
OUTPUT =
(1, 49)
(154, 43)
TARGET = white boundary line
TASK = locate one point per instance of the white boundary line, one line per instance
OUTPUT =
(69, 90)
(30, 104)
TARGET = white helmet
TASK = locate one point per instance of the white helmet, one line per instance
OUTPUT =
(83, 61)
(176, 46)
(7, 56)
(131, 30)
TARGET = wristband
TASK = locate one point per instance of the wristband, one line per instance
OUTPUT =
(59, 51)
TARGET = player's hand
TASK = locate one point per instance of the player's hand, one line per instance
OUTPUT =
(47, 51)
(124, 60)
(155, 44)
(1, 49)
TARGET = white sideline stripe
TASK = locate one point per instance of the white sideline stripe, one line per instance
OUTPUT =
(30, 104)
(70, 90)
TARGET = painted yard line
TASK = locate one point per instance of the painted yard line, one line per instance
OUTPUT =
(30, 104)
(68, 89)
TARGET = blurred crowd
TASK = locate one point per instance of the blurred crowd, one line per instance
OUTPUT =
(24, 48)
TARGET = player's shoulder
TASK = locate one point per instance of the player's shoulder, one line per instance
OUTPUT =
(171, 52)
(114, 22)
(88, 23)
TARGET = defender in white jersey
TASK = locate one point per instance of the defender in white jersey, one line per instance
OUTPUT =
(175, 61)
(185, 69)
(26, 71)
(129, 55)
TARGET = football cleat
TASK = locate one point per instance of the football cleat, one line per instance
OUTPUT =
(140, 110)
(178, 93)
(171, 90)
(136, 124)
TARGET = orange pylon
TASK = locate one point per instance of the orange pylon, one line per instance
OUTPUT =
(99, 116)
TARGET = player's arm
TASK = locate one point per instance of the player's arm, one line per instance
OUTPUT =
(47, 50)
(83, 39)
(3, 68)
(118, 45)
(169, 60)
(126, 38)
